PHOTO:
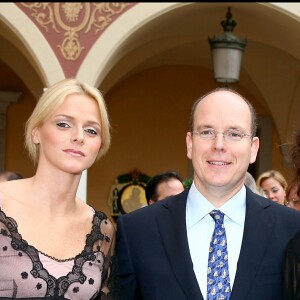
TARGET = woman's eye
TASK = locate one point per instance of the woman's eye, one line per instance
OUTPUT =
(91, 131)
(63, 125)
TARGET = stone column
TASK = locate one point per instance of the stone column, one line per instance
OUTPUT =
(5, 99)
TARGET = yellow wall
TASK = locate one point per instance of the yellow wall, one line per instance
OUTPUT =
(149, 115)
(17, 113)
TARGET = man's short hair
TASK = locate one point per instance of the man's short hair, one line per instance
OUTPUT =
(151, 187)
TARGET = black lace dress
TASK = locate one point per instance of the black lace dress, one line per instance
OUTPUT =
(26, 273)
(292, 269)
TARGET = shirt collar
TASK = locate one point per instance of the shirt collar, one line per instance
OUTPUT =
(198, 206)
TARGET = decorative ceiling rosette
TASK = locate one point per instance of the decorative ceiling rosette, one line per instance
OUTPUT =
(73, 27)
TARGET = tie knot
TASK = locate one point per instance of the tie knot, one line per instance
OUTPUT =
(217, 215)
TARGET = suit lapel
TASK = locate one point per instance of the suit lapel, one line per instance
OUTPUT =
(172, 227)
(257, 230)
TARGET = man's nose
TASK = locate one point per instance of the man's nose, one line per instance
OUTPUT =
(219, 141)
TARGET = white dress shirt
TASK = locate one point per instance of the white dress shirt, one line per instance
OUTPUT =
(200, 226)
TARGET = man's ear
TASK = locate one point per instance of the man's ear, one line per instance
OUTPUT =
(254, 149)
(189, 144)
(35, 135)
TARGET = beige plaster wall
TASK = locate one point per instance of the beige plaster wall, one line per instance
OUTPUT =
(149, 115)
(17, 159)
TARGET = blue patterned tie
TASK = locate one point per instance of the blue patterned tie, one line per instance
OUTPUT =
(218, 284)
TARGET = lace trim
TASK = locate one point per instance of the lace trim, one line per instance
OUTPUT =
(54, 258)
(57, 287)
(57, 259)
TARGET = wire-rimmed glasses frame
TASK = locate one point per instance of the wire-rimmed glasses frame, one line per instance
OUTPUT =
(230, 135)
(293, 201)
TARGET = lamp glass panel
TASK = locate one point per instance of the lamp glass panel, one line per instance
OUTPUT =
(227, 64)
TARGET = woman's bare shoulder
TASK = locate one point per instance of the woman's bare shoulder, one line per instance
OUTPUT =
(13, 186)
(13, 191)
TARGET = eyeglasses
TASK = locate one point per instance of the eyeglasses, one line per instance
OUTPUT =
(294, 201)
(230, 135)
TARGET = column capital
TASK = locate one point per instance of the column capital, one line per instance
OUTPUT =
(7, 97)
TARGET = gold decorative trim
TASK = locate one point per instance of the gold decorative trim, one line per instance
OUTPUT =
(74, 19)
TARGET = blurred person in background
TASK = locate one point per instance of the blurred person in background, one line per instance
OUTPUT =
(251, 183)
(7, 176)
(163, 185)
(292, 257)
(273, 184)
(293, 200)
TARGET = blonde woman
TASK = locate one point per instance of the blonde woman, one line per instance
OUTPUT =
(53, 244)
(273, 184)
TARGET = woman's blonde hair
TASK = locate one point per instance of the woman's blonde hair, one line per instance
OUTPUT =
(50, 101)
(272, 174)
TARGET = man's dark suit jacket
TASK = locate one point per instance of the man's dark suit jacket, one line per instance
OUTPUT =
(155, 262)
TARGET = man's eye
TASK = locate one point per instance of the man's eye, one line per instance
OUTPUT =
(207, 132)
(63, 125)
(91, 131)
(234, 133)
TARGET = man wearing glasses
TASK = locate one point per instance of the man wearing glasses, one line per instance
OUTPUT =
(217, 239)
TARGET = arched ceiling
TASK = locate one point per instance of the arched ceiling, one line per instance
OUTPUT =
(180, 36)
(26, 51)
(177, 33)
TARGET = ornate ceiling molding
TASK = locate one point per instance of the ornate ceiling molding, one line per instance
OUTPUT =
(72, 28)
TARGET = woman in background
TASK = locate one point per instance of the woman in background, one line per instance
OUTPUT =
(273, 185)
(53, 244)
(293, 200)
(292, 259)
